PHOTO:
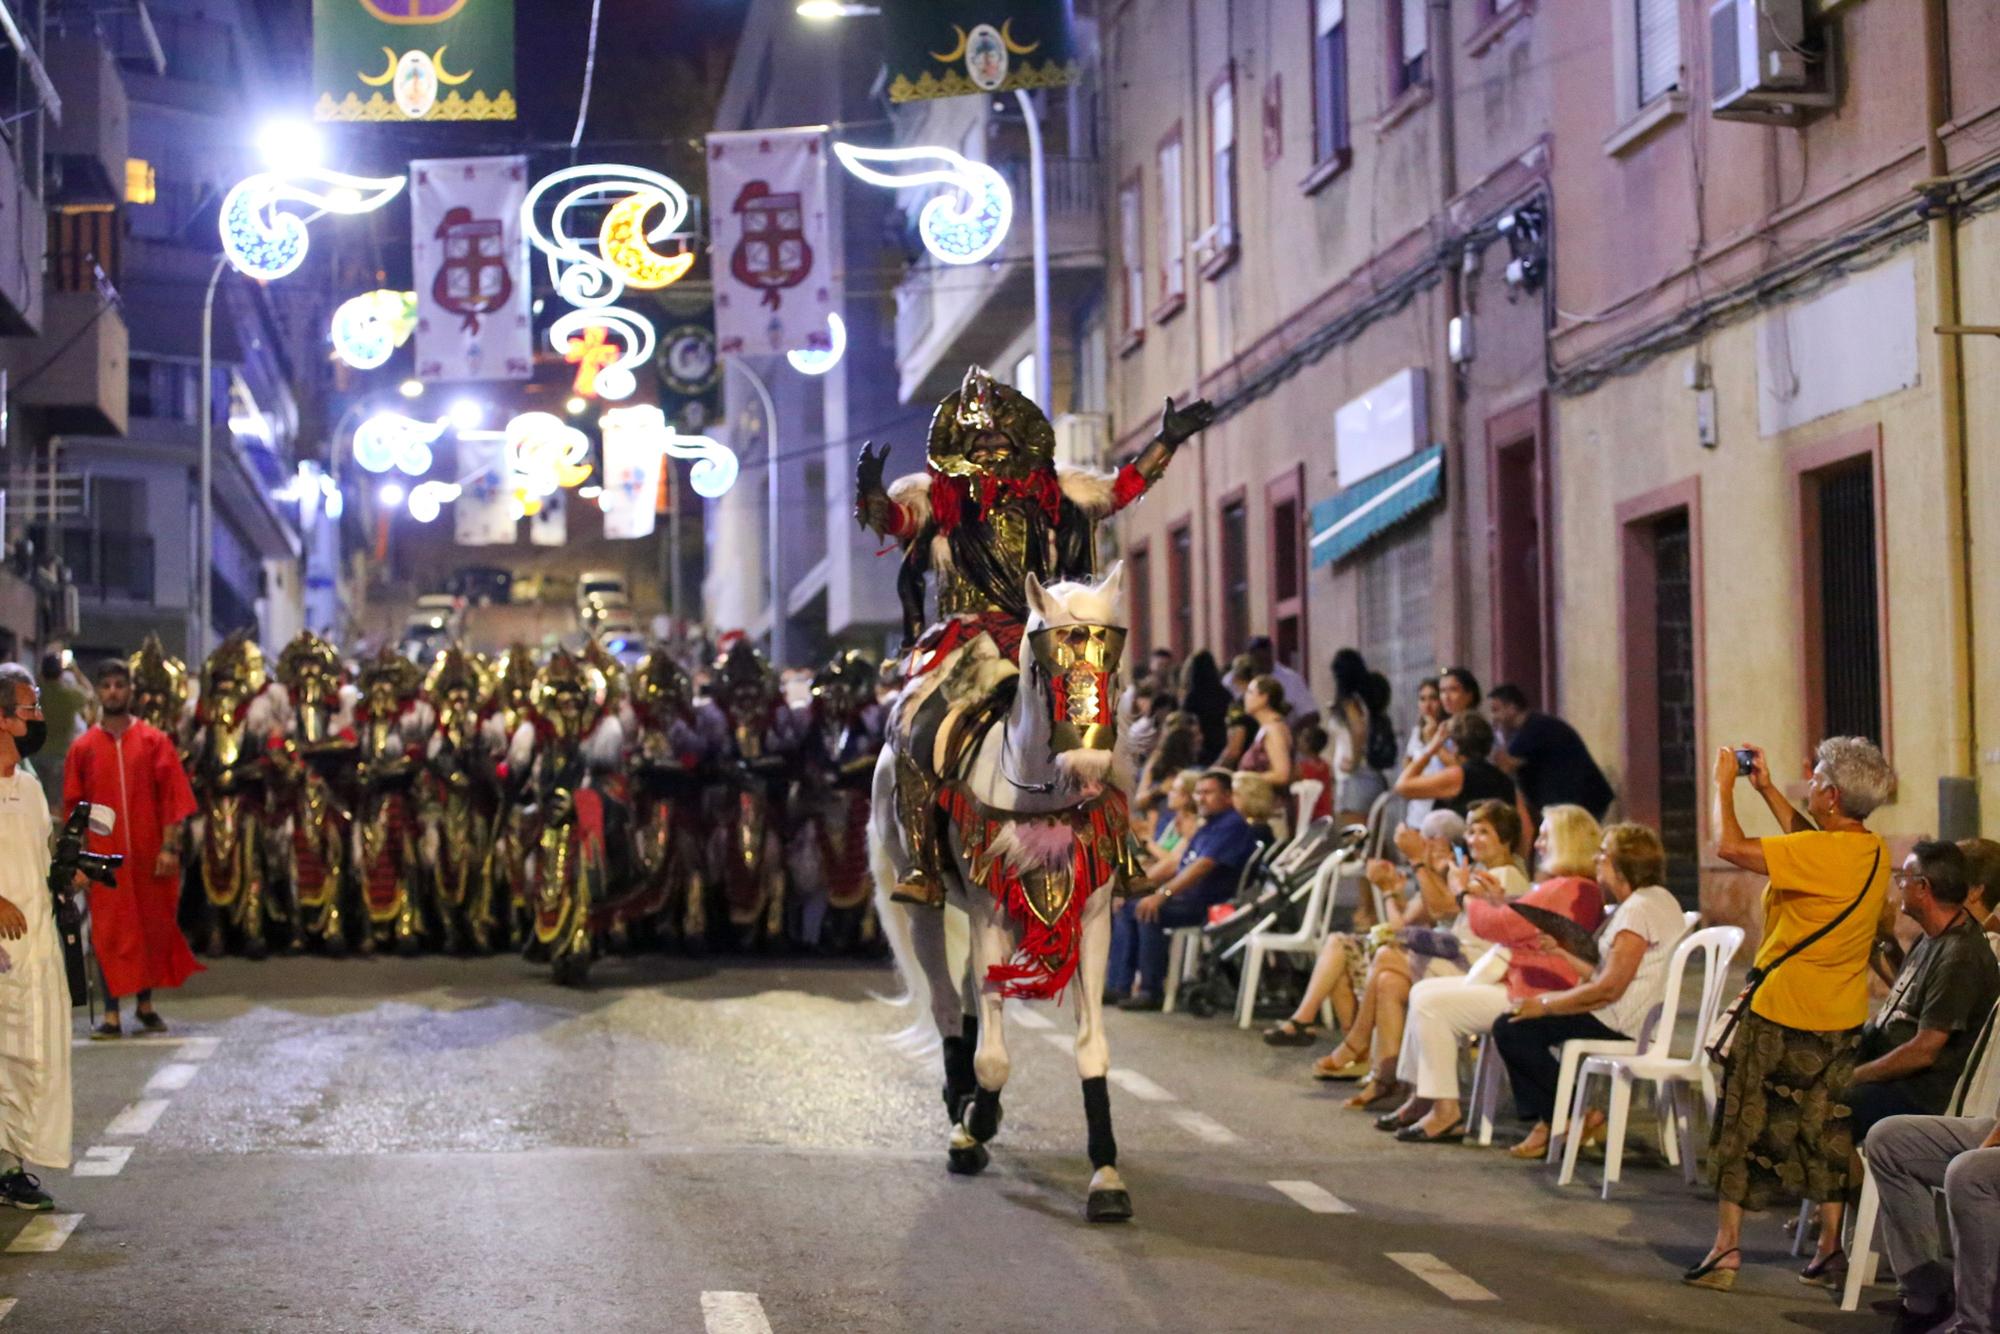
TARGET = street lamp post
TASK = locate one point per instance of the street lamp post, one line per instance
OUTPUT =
(198, 642)
(1038, 207)
(771, 507)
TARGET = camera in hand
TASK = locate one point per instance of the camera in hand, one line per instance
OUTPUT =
(72, 858)
(1746, 761)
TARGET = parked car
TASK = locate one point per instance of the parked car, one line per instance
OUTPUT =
(600, 608)
(483, 585)
(595, 584)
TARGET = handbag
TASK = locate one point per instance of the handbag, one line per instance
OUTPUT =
(1718, 1050)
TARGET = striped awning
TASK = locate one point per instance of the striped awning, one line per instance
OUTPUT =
(1343, 523)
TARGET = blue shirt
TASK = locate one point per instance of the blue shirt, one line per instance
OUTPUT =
(1228, 841)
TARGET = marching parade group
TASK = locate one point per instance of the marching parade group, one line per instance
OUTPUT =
(562, 804)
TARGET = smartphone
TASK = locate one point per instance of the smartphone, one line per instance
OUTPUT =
(1458, 855)
(1746, 762)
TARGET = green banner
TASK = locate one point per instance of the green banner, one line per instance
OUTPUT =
(398, 60)
(963, 48)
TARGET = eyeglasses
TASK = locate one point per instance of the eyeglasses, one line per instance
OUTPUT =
(1904, 879)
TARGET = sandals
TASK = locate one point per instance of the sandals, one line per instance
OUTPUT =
(1709, 1275)
(1528, 1152)
(1827, 1271)
(1377, 1093)
(1291, 1034)
(1414, 1133)
(1324, 1069)
(106, 1032)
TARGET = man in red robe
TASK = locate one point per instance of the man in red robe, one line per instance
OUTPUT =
(132, 767)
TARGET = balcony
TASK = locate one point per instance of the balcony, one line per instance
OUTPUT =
(74, 373)
(88, 150)
(950, 315)
(105, 566)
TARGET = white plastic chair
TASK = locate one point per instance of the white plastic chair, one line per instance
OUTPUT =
(1185, 945)
(1574, 1053)
(1305, 796)
(1982, 1068)
(1306, 941)
(1675, 1075)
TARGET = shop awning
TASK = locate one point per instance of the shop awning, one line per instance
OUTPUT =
(1343, 523)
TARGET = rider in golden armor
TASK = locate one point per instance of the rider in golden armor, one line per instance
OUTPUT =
(762, 733)
(235, 721)
(557, 749)
(505, 710)
(455, 812)
(310, 758)
(675, 740)
(390, 727)
(991, 507)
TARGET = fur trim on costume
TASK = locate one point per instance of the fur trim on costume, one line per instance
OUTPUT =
(521, 750)
(604, 745)
(1087, 489)
(913, 493)
(269, 714)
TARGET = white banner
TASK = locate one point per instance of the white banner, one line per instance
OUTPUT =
(483, 515)
(549, 525)
(470, 267)
(633, 455)
(773, 259)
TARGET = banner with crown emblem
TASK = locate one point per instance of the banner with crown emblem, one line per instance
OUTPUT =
(470, 263)
(963, 48)
(773, 259)
(399, 60)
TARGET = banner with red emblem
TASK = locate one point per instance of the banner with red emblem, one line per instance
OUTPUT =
(774, 264)
(470, 263)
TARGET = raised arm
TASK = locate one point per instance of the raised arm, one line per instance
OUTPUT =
(1177, 425)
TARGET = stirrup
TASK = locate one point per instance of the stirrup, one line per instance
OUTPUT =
(918, 889)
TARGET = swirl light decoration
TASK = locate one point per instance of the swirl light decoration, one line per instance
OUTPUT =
(264, 242)
(715, 467)
(545, 454)
(366, 329)
(819, 362)
(594, 269)
(392, 440)
(961, 226)
(582, 336)
(427, 499)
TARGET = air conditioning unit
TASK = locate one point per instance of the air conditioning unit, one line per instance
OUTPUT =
(1765, 64)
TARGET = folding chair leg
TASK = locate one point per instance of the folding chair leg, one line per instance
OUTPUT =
(1574, 1142)
(1861, 1250)
(1803, 1232)
(1486, 1090)
(1669, 1123)
(1684, 1127)
(1614, 1131)
(1246, 997)
(1176, 948)
(1565, 1090)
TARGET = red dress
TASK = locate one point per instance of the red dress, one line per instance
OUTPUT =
(137, 774)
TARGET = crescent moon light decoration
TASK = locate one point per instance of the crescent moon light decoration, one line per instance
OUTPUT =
(266, 243)
(962, 226)
(392, 440)
(587, 277)
(818, 361)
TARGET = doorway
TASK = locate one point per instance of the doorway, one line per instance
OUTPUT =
(1518, 525)
(1661, 623)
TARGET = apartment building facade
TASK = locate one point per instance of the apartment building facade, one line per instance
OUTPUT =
(1775, 466)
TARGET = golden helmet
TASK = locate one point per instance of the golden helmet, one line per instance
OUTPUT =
(457, 671)
(660, 684)
(569, 693)
(987, 428)
(847, 682)
(235, 671)
(309, 664)
(607, 664)
(390, 673)
(159, 683)
(514, 677)
(743, 680)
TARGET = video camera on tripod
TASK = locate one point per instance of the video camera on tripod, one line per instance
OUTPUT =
(71, 859)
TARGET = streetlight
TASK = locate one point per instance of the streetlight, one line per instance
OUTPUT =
(822, 10)
(411, 389)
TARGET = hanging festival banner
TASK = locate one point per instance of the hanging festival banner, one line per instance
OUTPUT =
(961, 48)
(773, 269)
(398, 60)
(470, 262)
(486, 512)
(549, 525)
(633, 459)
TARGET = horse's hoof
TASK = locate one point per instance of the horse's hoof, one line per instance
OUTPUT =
(982, 1118)
(968, 1162)
(1109, 1206)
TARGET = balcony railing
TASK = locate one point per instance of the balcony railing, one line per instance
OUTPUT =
(1072, 183)
(106, 566)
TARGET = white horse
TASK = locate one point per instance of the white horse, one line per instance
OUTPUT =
(1031, 786)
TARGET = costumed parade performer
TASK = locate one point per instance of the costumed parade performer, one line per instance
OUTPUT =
(763, 733)
(829, 806)
(457, 814)
(236, 719)
(131, 767)
(504, 713)
(676, 741)
(999, 785)
(313, 759)
(391, 724)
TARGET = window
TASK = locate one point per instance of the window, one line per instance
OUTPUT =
(1139, 583)
(1395, 625)
(1288, 566)
(1180, 589)
(1235, 536)
(1222, 166)
(1410, 43)
(1842, 557)
(1656, 57)
(1173, 228)
(170, 390)
(1132, 259)
(1025, 372)
(1330, 81)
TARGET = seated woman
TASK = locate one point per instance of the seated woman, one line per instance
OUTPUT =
(1178, 820)
(1634, 948)
(1445, 1009)
(1178, 750)
(1257, 801)
(1468, 776)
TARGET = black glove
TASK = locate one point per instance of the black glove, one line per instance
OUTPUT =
(868, 469)
(1177, 424)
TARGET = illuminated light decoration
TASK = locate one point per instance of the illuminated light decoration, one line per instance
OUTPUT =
(962, 226)
(411, 389)
(427, 499)
(416, 75)
(391, 494)
(819, 362)
(265, 243)
(390, 440)
(593, 278)
(336, 502)
(715, 467)
(602, 371)
(545, 454)
(368, 328)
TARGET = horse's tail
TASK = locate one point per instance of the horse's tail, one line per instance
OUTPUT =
(918, 1035)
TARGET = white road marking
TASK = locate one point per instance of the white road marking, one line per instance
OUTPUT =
(1442, 1276)
(138, 1118)
(172, 1077)
(733, 1313)
(1140, 1087)
(45, 1232)
(1062, 1042)
(103, 1160)
(199, 1049)
(1205, 1127)
(1312, 1196)
(1028, 1018)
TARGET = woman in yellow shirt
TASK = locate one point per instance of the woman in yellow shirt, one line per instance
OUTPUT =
(1782, 1128)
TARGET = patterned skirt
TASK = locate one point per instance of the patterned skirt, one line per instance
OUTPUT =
(1783, 1130)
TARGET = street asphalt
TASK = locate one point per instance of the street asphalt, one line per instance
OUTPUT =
(737, 1146)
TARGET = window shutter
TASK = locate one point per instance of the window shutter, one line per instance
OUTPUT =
(1328, 15)
(1659, 55)
(1416, 30)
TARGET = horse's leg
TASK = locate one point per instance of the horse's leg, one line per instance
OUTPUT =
(957, 1031)
(1109, 1202)
(991, 943)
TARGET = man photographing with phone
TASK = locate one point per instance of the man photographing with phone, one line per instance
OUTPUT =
(35, 1109)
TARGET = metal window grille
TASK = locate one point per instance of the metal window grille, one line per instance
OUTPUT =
(1396, 633)
(1850, 645)
(1235, 577)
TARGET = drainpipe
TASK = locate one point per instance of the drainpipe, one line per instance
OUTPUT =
(1204, 551)
(1458, 513)
(1958, 793)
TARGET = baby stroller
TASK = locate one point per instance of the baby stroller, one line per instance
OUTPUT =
(1272, 897)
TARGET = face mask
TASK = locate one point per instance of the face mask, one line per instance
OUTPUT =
(31, 740)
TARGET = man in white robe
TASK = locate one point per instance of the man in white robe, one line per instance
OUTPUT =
(35, 1096)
